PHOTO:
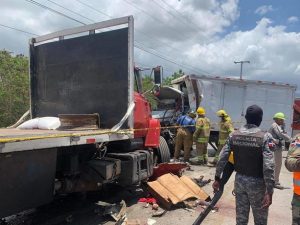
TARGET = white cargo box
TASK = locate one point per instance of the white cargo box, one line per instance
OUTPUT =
(235, 95)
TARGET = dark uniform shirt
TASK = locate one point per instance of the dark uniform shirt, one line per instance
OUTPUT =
(268, 158)
(187, 123)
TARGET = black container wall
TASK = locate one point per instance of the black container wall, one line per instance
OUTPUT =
(82, 75)
(29, 182)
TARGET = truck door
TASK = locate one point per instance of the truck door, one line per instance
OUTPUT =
(193, 93)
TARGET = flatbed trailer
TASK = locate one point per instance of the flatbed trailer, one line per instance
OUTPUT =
(14, 140)
(78, 72)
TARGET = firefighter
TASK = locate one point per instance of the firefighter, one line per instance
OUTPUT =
(225, 128)
(280, 137)
(292, 163)
(184, 137)
(254, 165)
(201, 137)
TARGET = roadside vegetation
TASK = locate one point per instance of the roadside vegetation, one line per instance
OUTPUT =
(148, 83)
(14, 87)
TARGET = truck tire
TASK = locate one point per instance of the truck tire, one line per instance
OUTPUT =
(163, 151)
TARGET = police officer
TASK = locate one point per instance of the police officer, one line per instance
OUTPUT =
(254, 164)
(184, 137)
(292, 163)
(225, 128)
(201, 137)
(280, 137)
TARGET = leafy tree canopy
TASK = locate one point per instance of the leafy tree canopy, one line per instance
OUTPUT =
(148, 83)
(14, 87)
(175, 75)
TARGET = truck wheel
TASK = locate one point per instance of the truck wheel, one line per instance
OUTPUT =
(163, 151)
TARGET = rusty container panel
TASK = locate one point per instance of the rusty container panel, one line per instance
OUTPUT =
(26, 180)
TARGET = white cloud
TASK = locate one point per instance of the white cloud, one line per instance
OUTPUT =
(190, 36)
(293, 19)
(272, 51)
(262, 10)
(297, 70)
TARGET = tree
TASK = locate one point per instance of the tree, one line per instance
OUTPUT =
(148, 84)
(14, 87)
(175, 75)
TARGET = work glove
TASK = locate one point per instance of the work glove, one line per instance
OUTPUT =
(267, 201)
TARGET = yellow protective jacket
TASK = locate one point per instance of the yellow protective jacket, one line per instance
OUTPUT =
(202, 132)
(226, 128)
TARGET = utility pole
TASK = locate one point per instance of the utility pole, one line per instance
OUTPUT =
(241, 62)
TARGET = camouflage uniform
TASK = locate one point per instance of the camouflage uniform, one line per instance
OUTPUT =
(292, 163)
(250, 190)
(226, 128)
(280, 137)
(201, 137)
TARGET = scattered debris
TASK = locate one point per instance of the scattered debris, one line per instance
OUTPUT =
(159, 213)
(151, 221)
(201, 182)
(155, 206)
(148, 200)
(132, 222)
(189, 210)
(170, 190)
(175, 168)
(116, 211)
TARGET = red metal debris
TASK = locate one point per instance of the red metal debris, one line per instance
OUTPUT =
(164, 168)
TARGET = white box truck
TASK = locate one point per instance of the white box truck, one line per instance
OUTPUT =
(231, 94)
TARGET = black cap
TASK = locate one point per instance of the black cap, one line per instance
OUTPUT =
(254, 115)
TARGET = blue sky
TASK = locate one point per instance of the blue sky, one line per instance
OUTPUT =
(197, 36)
(278, 11)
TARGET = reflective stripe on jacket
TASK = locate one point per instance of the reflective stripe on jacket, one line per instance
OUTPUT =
(202, 130)
(296, 182)
(225, 129)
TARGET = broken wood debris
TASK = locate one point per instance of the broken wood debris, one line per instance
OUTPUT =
(170, 190)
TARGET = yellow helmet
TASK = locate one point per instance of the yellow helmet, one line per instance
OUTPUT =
(222, 113)
(201, 111)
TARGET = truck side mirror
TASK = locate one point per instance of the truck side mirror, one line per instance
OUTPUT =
(157, 75)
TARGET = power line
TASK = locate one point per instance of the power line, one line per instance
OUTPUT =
(182, 15)
(183, 22)
(70, 10)
(171, 47)
(111, 17)
(53, 10)
(149, 15)
(16, 29)
(138, 30)
(158, 54)
(166, 59)
(141, 48)
(91, 7)
(142, 10)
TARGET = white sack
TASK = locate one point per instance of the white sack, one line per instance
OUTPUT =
(43, 123)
